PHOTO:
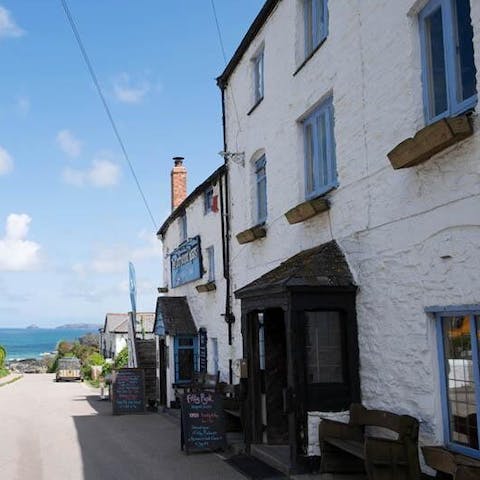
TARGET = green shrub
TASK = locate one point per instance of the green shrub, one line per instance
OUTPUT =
(95, 359)
(3, 356)
(121, 360)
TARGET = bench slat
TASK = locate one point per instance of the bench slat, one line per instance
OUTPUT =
(350, 446)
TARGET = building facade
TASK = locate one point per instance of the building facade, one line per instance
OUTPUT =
(352, 144)
(193, 335)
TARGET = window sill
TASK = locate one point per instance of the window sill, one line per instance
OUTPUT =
(306, 210)
(206, 287)
(252, 234)
(255, 106)
(309, 56)
(429, 141)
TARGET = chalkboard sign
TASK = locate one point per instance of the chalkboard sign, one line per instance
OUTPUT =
(203, 422)
(202, 349)
(128, 391)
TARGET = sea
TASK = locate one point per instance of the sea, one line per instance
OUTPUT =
(22, 343)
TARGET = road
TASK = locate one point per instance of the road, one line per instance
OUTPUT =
(61, 431)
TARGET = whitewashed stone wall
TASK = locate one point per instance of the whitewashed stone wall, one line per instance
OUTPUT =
(207, 308)
(411, 236)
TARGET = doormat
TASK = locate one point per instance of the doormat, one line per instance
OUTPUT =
(254, 468)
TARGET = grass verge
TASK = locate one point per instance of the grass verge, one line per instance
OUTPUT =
(11, 381)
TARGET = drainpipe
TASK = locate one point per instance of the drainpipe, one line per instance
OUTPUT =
(225, 213)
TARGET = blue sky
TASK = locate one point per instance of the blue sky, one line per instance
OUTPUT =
(70, 215)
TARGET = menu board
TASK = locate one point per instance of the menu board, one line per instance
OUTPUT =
(203, 422)
(128, 391)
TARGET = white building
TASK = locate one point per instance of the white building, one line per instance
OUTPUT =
(114, 333)
(316, 96)
(190, 315)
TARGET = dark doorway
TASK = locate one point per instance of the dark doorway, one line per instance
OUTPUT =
(275, 376)
(162, 362)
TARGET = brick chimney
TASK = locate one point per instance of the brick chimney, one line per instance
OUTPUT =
(179, 182)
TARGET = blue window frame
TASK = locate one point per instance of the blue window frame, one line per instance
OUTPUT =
(186, 357)
(211, 264)
(258, 77)
(448, 67)
(261, 180)
(316, 23)
(183, 227)
(208, 200)
(458, 339)
(320, 163)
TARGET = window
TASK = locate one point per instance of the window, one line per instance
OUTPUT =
(316, 24)
(448, 68)
(320, 164)
(458, 342)
(183, 228)
(186, 357)
(258, 77)
(261, 181)
(211, 264)
(323, 347)
(208, 200)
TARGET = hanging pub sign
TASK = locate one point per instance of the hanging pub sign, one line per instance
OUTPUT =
(186, 262)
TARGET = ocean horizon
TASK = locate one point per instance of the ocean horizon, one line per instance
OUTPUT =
(22, 343)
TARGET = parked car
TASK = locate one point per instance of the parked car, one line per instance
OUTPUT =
(69, 369)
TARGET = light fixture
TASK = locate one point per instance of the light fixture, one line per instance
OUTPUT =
(237, 157)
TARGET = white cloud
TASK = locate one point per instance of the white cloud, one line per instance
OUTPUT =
(127, 90)
(115, 259)
(68, 143)
(6, 162)
(8, 27)
(17, 253)
(22, 105)
(102, 173)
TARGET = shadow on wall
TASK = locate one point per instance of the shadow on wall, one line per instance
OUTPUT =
(139, 447)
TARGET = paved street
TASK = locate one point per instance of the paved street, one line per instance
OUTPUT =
(51, 431)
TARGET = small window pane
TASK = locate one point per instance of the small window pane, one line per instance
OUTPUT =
(310, 178)
(211, 264)
(465, 57)
(185, 342)
(322, 149)
(309, 41)
(261, 177)
(320, 21)
(436, 52)
(324, 349)
(462, 405)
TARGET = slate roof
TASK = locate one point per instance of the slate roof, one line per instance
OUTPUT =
(323, 266)
(115, 322)
(176, 316)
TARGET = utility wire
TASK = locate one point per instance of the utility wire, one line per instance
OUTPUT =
(89, 65)
(222, 46)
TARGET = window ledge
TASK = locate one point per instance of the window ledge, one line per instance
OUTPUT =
(255, 106)
(206, 287)
(309, 56)
(306, 210)
(430, 140)
(251, 234)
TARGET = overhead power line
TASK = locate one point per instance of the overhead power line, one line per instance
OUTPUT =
(91, 70)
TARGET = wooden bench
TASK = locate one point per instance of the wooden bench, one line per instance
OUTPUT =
(451, 465)
(346, 448)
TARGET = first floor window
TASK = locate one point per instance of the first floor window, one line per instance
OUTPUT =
(448, 67)
(320, 164)
(458, 340)
(261, 180)
(211, 264)
(186, 357)
(183, 227)
(208, 200)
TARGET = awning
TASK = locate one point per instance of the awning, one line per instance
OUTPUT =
(174, 314)
(323, 266)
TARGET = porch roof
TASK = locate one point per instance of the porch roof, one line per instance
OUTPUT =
(176, 316)
(322, 266)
